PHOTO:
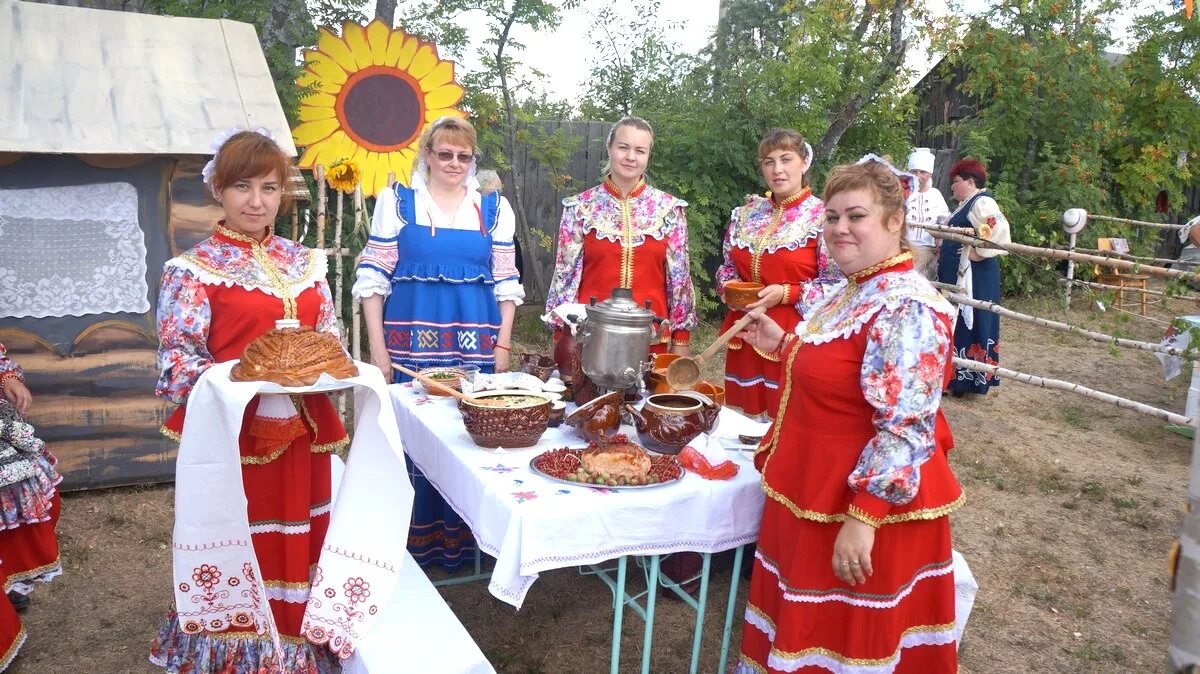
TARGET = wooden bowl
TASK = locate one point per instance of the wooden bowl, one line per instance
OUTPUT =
(739, 294)
(447, 376)
(521, 425)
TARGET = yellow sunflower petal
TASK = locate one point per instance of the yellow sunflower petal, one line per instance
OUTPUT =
(442, 73)
(402, 162)
(401, 48)
(356, 40)
(377, 37)
(327, 70)
(368, 169)
(434, 114)
(445, 96)
(318, 100)
(307, 159)
(318, 84)
(330, 150)
(423, 62)
(310, 132)
(333, 47)
(315, 113)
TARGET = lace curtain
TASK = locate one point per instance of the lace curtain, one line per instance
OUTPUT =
(71, 251)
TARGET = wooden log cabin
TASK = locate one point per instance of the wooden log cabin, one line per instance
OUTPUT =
(108, 119)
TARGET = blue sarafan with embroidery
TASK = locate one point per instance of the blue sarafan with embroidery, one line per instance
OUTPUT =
(443, 277)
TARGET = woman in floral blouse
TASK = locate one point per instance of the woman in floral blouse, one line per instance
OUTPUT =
(215, 298)
(853, 563)
(624, 233)
(776, 241)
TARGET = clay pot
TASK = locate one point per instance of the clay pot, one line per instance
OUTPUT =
(715, 392)
(509, 427)
(558, 410)
(657, 381)
(538, 365)
(738, 294)
(598, 418)
(669, 421)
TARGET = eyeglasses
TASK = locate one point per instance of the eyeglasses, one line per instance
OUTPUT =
(447, 156)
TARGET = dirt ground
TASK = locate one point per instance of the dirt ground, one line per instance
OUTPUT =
(1072, 505)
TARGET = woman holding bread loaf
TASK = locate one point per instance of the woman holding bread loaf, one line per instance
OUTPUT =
(226, 291)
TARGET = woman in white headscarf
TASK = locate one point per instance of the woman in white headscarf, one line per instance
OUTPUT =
(439, 285)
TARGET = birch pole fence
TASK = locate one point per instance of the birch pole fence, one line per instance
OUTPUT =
(1183, 651)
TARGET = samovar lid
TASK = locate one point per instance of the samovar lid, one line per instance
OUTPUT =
(619, 309)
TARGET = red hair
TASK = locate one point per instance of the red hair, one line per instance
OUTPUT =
(250, 154)
(970, 168)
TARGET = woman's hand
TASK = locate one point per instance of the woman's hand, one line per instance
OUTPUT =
(762, 332)
(852, 552)
(18, 394)
(768, 297)
(502, 359)
(381, 359)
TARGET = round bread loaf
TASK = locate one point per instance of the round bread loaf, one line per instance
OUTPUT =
(294, 357)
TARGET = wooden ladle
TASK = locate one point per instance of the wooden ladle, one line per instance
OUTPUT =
(429, 381)
(684, 373)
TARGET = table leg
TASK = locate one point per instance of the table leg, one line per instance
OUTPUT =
(651, 595)
(618, 615)
(698, 632)
(733, 589)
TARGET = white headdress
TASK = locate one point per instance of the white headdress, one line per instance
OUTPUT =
(420, 173)
(906, 178)
(921, 159)
(210, 168)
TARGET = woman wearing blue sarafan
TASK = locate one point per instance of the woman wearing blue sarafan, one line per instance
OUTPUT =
(439, 284)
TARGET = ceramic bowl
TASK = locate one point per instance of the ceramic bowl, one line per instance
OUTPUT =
(557, 411)
(538, 365)
(715, 392)
(599, 417)
(521, 425)
(738, 294)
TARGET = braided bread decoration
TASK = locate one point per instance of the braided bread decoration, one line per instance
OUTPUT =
(294, 357)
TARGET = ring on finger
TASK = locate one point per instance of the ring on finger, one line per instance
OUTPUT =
(854, 563)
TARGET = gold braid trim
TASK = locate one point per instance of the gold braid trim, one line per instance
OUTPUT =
(864, 517)
(863, 662)
(170, 434)
(323, 447)
(830, 518)
(861, 274)
(253, 636)
(758, 669)
(263, 460)
(330, 446)
(626, 243)
(8, 656)
(31, 573)
(285, 585)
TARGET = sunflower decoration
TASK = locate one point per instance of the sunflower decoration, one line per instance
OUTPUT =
(375, 90)
(343, 175)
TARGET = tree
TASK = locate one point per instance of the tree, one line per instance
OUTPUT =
(386, 10)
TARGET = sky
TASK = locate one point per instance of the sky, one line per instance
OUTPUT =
(565, 55)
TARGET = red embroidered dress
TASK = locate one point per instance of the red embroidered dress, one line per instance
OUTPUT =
(639, 241)
(771, 244)
(859, 434)
(215, 299)
(12, 634)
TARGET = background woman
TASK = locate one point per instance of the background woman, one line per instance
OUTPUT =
(29, 499)
(773, 240)
(854, 563)
(977, 332)
(439, 285)
(215, 299)
(624, 233)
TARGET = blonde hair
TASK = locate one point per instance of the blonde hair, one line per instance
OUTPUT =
(783, 139)
(876, 178)
(450, 129)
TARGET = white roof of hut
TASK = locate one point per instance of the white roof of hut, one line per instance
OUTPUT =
(90, 81)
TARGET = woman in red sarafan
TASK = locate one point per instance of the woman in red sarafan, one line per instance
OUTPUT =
(776, 241)
(853, 571)
(215, 299)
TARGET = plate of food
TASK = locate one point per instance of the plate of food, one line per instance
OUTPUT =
(617, 464)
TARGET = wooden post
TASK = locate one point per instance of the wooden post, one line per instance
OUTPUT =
(337, 255)
(1183, 653)
(391, 178)
(295, 221)
(356, 309)
(322, 205)
(1135, 223)
(1070, 273)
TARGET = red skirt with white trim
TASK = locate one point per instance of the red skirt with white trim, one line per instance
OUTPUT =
(802, 618)
(12, 634)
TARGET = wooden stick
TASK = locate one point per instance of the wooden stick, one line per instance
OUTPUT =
(391, 178)
(295, 220)
(684, 373)
(1135, 223)
(1055, 254)
(356, 313)
(337, 259)
(965, 231)
(1127, 256)
(948, 287)
(322, 205)
(1059, 385)
(436, 384)
(1105, 286)
(1064, 327)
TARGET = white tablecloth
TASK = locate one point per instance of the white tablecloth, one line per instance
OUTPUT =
(531, 524)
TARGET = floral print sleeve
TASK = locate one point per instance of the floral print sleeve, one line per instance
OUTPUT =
(908, 346)
(727, 272)
(184, 317)
(568, 263)
(828, 281)
(327, 318)
(681, 298)
(986, 218)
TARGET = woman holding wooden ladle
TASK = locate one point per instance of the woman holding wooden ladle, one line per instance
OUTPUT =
(772, 247)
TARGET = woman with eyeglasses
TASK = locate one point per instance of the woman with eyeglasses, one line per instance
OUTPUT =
(774, 241)
(439, 285)
(624, 233)
(976, 332)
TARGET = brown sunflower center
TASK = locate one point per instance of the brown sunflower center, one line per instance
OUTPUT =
(381, 109)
